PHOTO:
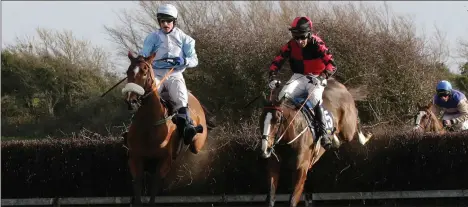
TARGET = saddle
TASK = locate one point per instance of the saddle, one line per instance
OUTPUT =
(309, 114)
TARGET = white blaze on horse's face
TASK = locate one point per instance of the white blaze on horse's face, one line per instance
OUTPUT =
(420, 115)
(136, 71)
(266, 132)
(267, 124)
(133, 87)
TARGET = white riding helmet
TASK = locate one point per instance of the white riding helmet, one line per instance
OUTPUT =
(167, 10)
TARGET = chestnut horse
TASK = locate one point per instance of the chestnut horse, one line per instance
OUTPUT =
(427, 121)
(152, 137)
(297, 141)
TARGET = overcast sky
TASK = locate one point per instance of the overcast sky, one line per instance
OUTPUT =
(86, 18)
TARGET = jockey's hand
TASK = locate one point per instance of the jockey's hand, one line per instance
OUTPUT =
(327, 73)
(176, 61)
(273, 84)
(446, 123)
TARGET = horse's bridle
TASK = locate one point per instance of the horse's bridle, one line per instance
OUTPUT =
(140, 99)
(427, 123)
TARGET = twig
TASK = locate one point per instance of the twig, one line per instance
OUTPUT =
(383, 122)
(363, 75)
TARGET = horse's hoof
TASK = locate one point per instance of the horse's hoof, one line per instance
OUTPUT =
(135, 203)
(326, 143)
(265, 155)
(336, 142)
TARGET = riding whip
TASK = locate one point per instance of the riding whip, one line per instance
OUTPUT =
(113, 87)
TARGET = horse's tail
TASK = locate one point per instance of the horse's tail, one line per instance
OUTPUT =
(363, 139)
(209, 117)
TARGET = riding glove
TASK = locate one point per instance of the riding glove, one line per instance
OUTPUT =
(176, 61)
(273, 83)
(327, 73)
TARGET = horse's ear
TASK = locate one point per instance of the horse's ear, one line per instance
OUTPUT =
(130, 55)
(151, 57)
(429, 105)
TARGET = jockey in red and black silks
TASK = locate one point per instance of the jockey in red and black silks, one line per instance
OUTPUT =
(312, 64)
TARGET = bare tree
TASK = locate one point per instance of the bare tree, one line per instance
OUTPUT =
(63, 45)
(236, 41)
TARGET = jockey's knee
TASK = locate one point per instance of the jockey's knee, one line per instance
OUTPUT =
(179, 105)
(283, 94)
(315, 100)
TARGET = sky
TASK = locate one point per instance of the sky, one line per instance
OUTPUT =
(87, 19)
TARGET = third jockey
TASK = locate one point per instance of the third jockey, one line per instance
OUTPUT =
(178, 49)
(312, 64)
(454, 105)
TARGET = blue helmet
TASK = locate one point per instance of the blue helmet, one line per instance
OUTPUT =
(444, 87)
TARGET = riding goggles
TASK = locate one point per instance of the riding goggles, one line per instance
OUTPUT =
(166, 20)
(302, 37)
(443, 93)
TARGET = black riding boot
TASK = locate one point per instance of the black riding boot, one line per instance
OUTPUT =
(320, 117)
(185, 126)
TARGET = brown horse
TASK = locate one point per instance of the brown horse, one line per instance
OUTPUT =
(298, 141)
(152, 138)
(427, 121)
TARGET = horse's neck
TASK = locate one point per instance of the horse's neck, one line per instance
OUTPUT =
(153, 106)
(436, 125)
(291, 121)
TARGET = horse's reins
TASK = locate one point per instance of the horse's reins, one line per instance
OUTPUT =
(427, 123)
(114, 86)
(294, 117)
(153, 78)
(286, 129)
(123, 79)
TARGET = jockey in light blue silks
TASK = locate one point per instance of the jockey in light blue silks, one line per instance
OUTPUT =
(178, 50)
(454, 105)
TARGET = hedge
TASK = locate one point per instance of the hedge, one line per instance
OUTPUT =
(88, 168)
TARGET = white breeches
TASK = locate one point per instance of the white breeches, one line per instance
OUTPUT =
(459, 126)
(173, 89)
(299, 85)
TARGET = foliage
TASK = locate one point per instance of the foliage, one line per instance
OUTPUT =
(51, 82)
(236, 41)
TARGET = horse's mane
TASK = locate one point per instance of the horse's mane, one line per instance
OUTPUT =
(431, 112)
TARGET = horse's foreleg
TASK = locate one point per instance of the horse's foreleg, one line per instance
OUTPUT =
(158, 176)
(156, 182)
(273, 176)
(299, 179)
(136, 169)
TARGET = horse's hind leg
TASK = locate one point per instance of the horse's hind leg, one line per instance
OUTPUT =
(273, 175)
(136, 169)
